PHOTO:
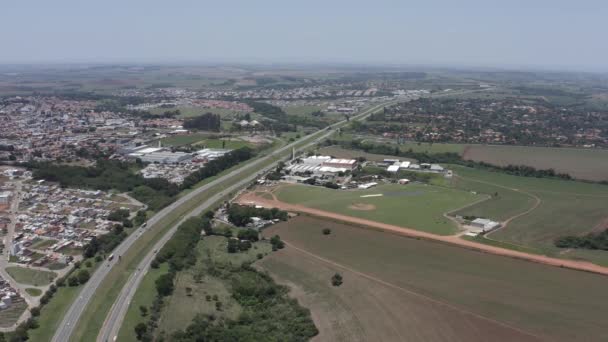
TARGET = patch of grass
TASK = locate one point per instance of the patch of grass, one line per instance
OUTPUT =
(146, 292)
(52, 313)
(33, 291)
(183, 304)
(416, 206)
(30, 276)
(43, 243)
(186, 139)
(221, 143)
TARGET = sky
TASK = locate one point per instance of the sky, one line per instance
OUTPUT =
(507, 33)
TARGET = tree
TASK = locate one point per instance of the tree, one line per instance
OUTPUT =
(164, 284)
(35, 311)
(140, 330)
(326, 231)
(73, 281)
(233, 246)
(336, 280)
(83, 276)
(277, 243)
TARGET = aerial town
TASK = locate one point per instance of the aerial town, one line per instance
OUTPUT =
(155, 208)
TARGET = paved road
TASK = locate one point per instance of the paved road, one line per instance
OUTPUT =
(112, 323)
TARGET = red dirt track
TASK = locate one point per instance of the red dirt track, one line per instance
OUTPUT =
(250, 198)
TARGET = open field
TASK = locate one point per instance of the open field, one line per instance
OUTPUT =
(411, 298)
(52, 313)
(544, 208)
(188, 112)
(180, 308)
(339, 152)
(30, 276)
(180, 140)
(416, 206)
(145, 295)
(589, 164)
(221, 143)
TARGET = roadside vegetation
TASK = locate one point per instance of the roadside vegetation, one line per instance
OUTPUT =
(209, 294)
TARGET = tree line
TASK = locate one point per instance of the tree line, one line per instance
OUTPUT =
(589, 241)
(240, 215)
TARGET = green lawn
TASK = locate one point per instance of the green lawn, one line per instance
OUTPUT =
(33, 291)
(30, 276)
(417, 206)
(146, 292)
(566, 208)
(180, 140)
(43, 243)
(52, 313)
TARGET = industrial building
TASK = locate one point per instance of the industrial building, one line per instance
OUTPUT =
(166, 157)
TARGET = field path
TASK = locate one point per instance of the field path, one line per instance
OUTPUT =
(408, 291)
(505, 223)
(250, 198)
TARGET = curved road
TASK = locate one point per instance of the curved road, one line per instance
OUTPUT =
(114, 319)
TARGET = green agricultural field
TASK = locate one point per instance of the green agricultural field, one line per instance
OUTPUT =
(589, 164)
(416, 206)
(419, 147)
(550, 208)
(30, 276)
(394, 288)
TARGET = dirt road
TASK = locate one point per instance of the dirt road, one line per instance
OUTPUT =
(250, 198)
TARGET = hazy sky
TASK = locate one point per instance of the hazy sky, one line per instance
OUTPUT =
(538, 33)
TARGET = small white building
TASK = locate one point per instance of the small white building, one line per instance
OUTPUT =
(367, 185)
(485, 224)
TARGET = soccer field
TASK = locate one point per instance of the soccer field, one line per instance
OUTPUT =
(416, 206)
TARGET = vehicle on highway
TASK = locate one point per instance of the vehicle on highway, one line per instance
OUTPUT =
(111, 257)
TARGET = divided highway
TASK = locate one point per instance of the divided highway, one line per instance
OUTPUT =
(119, 309)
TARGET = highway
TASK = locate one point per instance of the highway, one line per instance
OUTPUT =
(118, 310)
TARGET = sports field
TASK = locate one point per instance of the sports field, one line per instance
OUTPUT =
(589, 164)
(416, 206)
(397, 288)
(544, 209)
